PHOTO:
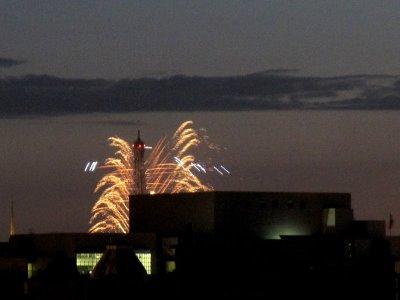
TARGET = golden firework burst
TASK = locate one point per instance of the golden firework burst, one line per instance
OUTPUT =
(167, 170)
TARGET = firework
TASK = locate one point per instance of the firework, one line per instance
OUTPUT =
(168, 169)
(91, 166)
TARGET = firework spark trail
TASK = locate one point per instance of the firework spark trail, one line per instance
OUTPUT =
(110, 213)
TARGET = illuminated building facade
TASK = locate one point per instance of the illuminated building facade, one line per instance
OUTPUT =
(85, 262)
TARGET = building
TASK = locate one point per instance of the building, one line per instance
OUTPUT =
(61, 264)
(255, 243)
(85, 249)
(166, 218)
(257, 214)
(217, 243)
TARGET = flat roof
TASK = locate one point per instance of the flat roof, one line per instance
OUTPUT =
(327, 199)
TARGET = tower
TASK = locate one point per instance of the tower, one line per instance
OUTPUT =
(12, 225)
(139, 171)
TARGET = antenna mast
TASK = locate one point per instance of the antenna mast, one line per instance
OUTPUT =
(12, 224)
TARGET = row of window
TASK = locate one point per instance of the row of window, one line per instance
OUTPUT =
(85, 262)
(145, 259)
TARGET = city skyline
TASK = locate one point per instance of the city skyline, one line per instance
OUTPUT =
(304, 95)
(305, 151)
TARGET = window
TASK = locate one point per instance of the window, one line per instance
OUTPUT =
(145, 258)
(30, 270)
(331, 218)
(85, 262)
(170, 266)
(397, 267)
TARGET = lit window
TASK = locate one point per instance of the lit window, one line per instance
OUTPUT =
(170, 266)
(30, 270)
(397, 267)
(85, 262)
(331, 219)
(145, 258)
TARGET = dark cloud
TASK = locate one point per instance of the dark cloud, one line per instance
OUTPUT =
(389, 102)
(158, 74)
(118, 122)
(378, 93)
(275, 72)
(48, 95)
(9, 62)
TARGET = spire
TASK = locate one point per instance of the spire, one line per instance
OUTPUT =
(12, 225)
(139, 169)
(138, 143)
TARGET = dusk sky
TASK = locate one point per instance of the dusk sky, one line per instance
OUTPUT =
(269, 71)
(125, 39)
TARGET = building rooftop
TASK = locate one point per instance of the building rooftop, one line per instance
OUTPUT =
(259, 214)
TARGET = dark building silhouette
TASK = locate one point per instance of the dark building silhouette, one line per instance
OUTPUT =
(250, 214)
(60, 265)
(259, 244)
(224, 244)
